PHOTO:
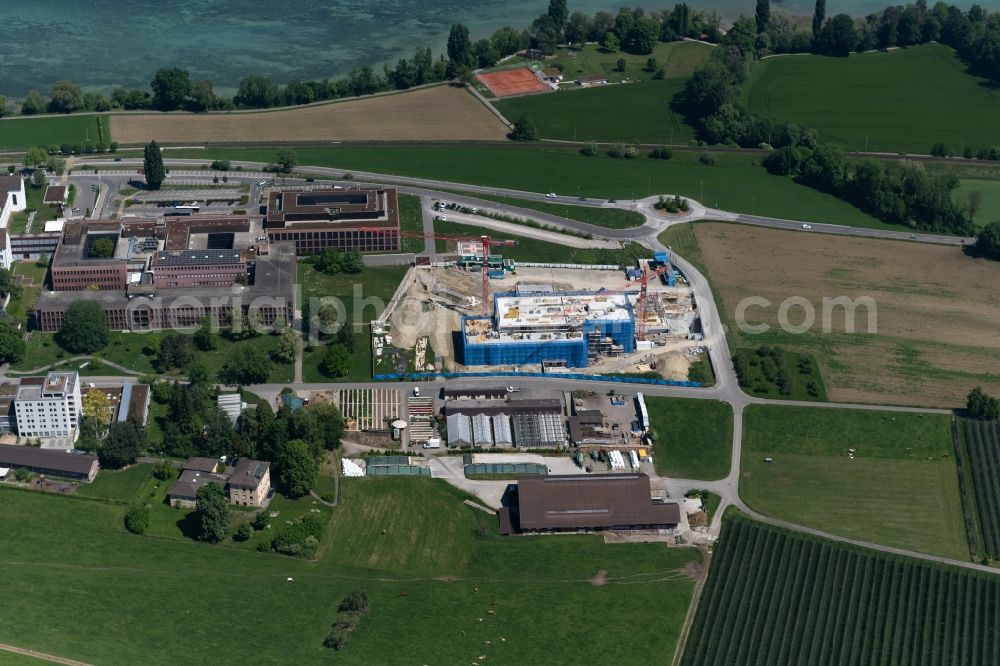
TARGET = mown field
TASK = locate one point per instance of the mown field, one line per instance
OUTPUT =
(23, 132)
(905, 100)
(775, 597)
(611, 218)
(363, 296)
(677, 59)
(440, 113)
(627, 113)
(933, 310)
(981, 443)
(429, 565)
(694, 438)
(989, 193)
(734, 182)
(899, 489)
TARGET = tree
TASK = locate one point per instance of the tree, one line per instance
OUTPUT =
(296, 468)
(286, 160)
(175, 352)
(125, 442)
(256, 92)
(245, 365)
(558, 12)
(152, 166)
(507, 41)
(578, 28)
(33, 103)
(819, 17)
(85, 328)
(243, 532)
(459, 47)
(940, 149)
(610, 42)
(65, 97)
(336, 362)
(171, 88)
(202, 96)
(213, 513)
(97, 409)
(204, 337)
(642, 36)
(288, 346)
(35, 156)
(137, 519)
(12, 346)
(102, 248)
(982, 406)
(524, 130)
(763, 15)
(988, 241)
(975, 201)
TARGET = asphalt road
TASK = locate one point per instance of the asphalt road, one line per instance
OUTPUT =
(726, 388)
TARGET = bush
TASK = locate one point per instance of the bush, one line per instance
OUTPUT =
(631, 152)
(661, 153)
(589, 150)
(707, 159)
(163, 470)
(243, 532)
(137, 519)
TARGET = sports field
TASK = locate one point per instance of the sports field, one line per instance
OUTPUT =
(903, 100)
(900, 488)
(437, 113)
(735, 182)
(935, 310)
(635, 112)
(776, 597)
(79, 586)
(507, 82)
(23, 132)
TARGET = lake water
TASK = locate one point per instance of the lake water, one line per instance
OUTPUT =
(103, 43)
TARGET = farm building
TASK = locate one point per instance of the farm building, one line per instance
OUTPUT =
(572, 327)
(49, 461)
(524, 424)
(577, 502)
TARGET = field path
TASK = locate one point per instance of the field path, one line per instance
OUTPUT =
(41, 655)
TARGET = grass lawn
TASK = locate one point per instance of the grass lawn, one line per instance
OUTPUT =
(694, 438)
(735, 182)
(364, 297)
(989, 191)
(901, 488)
(410, 219)
(612, 218)
(681, 239)
(69, 559)
(534, 250)
(27, 132)
(678, 59)
(855, 101)
(125, 485)
(43, 212)
(20, 306)
(627, 113)
(127, 349)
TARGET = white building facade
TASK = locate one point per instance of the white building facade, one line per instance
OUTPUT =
(12, 198)
(49, 406)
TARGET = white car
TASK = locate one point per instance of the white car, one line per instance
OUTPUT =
(807, 226)
(416, 391)
(551, 195)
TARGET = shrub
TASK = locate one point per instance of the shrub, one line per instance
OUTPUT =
(631, 152)
(163, 470)
(707, 159)
(243, 532)
(661, 153)
(589, 150)
(137, 519)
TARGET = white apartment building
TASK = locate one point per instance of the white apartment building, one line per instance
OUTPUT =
(49, 406)
(12, 198)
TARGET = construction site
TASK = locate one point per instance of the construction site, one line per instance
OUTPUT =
(481, 311)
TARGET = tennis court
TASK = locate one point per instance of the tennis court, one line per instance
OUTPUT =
(521, 81)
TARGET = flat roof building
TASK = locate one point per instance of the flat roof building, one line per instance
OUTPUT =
(49, 406)
(531, 328)
(584, 502)
(364, 219)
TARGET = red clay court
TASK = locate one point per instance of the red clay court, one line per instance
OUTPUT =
(521, 81)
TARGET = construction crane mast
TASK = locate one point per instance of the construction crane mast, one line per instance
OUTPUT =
(485, 241)
(643, 306)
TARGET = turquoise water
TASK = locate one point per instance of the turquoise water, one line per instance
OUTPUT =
(104, 43)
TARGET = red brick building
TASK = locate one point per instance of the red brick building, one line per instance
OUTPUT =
(364, 219)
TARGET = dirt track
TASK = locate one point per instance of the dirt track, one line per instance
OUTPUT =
(429, 114)
(937, 309)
